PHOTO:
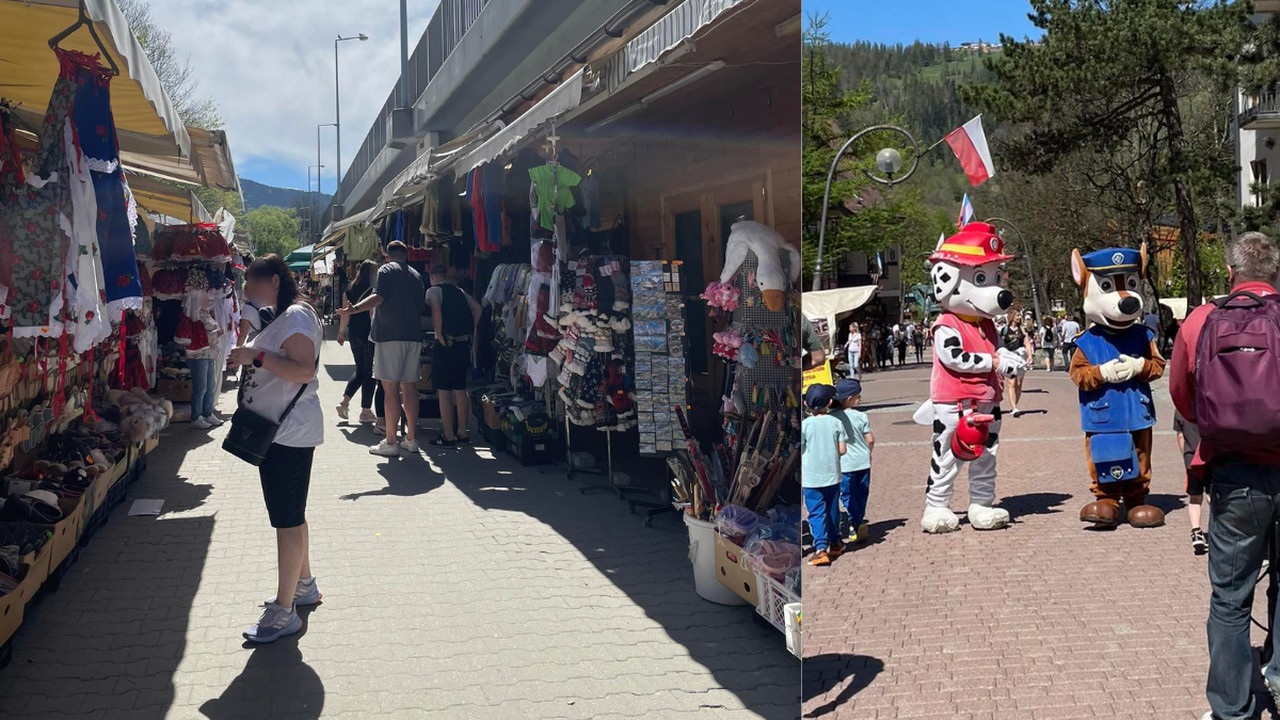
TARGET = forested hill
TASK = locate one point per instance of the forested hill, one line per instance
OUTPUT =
(913, 83)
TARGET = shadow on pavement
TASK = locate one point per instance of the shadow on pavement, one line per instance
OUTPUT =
(1167, 503)
(1034, 504)
(650, 565)
(824, 673)
(340, 373)
(406, 476)
(275, 683)
(123, 612)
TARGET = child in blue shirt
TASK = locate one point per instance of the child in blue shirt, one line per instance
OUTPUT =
(855, 464)
(822, 442)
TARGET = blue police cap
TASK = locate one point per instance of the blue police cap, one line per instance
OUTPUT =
(1113, 261)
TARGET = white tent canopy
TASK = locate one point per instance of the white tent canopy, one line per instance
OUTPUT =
(831, 305)
(559, 101)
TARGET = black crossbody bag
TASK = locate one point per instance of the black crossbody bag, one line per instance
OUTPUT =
(252, 434)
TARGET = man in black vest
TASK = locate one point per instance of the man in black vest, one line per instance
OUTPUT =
(454, 315)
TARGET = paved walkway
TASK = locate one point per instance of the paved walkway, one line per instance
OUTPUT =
(1043, 620)
(457, 585)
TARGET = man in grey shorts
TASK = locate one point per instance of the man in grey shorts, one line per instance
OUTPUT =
(396, 332)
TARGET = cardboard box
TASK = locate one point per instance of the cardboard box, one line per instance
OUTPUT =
(150, 444)
(176, 390)
(38, 564)
(12, 606)
(492, 417)
(107, 480)
(66, 533)
(732, 570)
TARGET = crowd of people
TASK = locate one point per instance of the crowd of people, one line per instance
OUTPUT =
(877, 345)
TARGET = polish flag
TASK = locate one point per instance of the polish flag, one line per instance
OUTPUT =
(969, 143)
(966, 212)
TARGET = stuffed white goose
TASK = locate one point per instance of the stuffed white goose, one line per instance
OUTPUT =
(765, 242)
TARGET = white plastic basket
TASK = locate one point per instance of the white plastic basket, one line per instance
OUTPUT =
(792, 613)
(773, 597)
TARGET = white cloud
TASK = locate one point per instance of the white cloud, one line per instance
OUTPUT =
(269, 66)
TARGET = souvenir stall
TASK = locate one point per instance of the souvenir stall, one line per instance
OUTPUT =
(193, 302)
(75, 416)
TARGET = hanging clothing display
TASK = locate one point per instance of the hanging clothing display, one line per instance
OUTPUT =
(551, 192)
(492, 186)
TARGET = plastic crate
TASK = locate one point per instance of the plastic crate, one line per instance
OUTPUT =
(794, 637)
(773, 597)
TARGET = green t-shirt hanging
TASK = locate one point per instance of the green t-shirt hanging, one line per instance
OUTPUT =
(553, 185)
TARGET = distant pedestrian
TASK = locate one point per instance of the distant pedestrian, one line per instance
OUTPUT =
(1233, 399)
(822, 443)
(454, 316)
(1068, 332)
(396, 331)
(1016, 340)
(855, 463)
(1048, 341)
(1188, 441)
(853, 348)
(917, 340)
(281, 363)
(355, 327)
(900, 342)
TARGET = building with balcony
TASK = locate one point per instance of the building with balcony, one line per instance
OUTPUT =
(1257, 129)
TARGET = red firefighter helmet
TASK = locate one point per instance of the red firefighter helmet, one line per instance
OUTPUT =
(970, 437)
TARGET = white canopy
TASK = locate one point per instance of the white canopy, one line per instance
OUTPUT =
(559, 101)
(831, 305)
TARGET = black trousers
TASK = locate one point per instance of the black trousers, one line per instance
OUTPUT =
(362, 351)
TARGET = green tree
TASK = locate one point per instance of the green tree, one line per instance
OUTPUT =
(861, 217)
(272, 230)
(177, 77)
(1111, 81)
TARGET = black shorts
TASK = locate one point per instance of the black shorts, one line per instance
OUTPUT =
(286, 476)
(1196, 484)
(449, 365)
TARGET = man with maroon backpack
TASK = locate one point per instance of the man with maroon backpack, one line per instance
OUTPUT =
(1225, 377)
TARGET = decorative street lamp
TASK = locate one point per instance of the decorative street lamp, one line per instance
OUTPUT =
(888, 162)
(1026, 253)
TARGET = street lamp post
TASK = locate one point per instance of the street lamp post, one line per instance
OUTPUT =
(337, 106)
(888, 161)
(1026, 253)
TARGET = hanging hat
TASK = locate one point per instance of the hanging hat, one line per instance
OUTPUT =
(976, 244)
(1113, 261)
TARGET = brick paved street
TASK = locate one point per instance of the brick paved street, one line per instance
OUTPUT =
(457, 585)
(1043, 620)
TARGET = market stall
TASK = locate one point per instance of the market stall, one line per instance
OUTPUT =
(93, 162)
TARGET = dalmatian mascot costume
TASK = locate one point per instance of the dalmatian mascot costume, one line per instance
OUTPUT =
(968, 365)
(1115, 362)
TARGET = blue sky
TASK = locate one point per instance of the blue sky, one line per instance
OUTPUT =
(269, 65)
(904, 21)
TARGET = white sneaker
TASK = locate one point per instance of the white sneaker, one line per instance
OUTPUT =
(201, 423)
(409, 445)
(385, 449)
(213, 420)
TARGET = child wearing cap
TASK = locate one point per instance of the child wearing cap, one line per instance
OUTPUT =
(855, 464)
(822, 443)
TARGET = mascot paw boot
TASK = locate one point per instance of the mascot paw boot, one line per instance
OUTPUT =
(1145, 516)
(1103, 513)
(982, 517)
(939, 520)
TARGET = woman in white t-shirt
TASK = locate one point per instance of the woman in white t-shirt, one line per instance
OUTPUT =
(853, 347)
(283, 358)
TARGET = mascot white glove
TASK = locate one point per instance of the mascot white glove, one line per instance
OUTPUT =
(1115, 371)
(1133, 364)
(1012, 364)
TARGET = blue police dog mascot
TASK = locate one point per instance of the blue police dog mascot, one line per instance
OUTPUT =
(1115, 361)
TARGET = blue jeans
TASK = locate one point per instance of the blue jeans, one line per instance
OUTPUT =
(1245, 509)
(853, 363)
(854, 488)
(203, 384)
(823, 504)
